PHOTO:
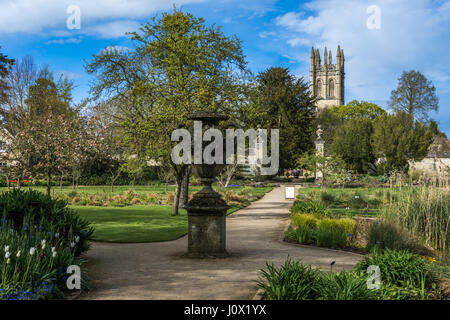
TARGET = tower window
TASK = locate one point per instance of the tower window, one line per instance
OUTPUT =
(331, 88)
(319, 89)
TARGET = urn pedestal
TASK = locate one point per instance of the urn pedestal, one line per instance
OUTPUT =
(207, 210)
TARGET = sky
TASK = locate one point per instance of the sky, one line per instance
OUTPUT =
(381, 39)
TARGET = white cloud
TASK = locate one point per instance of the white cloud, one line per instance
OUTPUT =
(265, 34)
(35, 16)
(115, 29)
(296, 41)
(63, 41)
(413, 35)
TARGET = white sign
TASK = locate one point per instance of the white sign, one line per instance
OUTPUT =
(290, 192)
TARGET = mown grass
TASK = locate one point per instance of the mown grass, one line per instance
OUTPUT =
(148, 223)
(134, 223)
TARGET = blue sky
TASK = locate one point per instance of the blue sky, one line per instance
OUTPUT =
(412, 34)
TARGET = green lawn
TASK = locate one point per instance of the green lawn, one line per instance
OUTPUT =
(145, 223)
(134, 223)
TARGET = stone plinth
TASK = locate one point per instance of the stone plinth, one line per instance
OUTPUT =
(207, 210)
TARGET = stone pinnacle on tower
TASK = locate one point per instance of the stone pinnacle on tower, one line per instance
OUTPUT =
(329, 57)
(325, 58)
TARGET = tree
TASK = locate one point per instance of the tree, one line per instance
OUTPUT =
(358, 109)
(333, 118)
(108, 151)
(415, 95)
(352, 143)
(397, 138)
(5, 69)
(179, 65)
(280, 101)
(44, 145)
(332, 168)
(26, 78)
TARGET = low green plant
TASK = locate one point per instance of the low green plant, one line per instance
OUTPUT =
(301, 234)
(345, 286)
(399, 268)
(304, 220)
(346, 224)
(406, 292)
(330, 237)
(308, 207)
(292, 281)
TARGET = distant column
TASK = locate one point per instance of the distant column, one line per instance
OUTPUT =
(320, 143)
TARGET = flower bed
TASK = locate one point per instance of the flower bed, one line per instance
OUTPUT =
(39, 239)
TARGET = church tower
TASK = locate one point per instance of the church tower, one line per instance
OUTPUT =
(327, 79)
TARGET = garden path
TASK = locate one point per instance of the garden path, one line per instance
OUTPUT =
(160, 270)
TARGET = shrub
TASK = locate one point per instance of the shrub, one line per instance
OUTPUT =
(399, 268)
(302, 234)
(231, 196)
(345, 224)
(345, 286)
(170, 198)
(327, 198)
(292, 281)
(358, 201)
(308, 207)
(304, 220)
(407, 292)
(76, 199)
(387, 235)
(34, 209)
(330, 237)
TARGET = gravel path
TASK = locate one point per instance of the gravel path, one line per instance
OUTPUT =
(160, 271)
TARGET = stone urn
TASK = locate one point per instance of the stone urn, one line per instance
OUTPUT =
(207, 210)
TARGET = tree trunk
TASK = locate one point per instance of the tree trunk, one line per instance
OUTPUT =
(184, 196)
(49, 182)
(176, 202)
(179, 181)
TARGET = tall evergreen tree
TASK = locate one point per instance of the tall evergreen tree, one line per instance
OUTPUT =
(280, 101)
(397, 138)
